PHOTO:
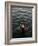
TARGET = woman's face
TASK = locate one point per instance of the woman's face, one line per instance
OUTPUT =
(22, 25)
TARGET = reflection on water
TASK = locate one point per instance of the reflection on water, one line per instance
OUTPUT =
(21, 22)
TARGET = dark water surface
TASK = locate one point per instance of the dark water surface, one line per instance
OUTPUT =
(18, 15)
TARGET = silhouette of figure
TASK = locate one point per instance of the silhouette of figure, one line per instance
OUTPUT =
(24, 28)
